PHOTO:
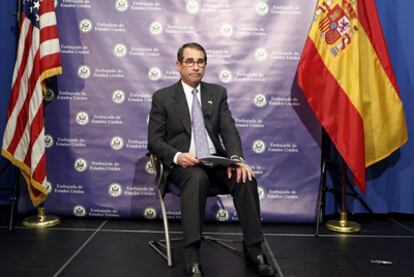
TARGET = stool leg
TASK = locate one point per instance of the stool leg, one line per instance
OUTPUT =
(170, 261)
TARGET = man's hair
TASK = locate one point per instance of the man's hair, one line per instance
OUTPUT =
(192, 45)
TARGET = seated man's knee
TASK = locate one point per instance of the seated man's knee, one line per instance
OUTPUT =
(249, 186)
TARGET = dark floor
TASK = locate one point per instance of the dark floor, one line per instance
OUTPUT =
(100, 247)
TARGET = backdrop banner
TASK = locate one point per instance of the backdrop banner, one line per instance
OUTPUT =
(116, 53)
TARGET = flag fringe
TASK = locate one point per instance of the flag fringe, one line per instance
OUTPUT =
(36, 200)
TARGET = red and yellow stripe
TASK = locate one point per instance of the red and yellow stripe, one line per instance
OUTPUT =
(354, 94)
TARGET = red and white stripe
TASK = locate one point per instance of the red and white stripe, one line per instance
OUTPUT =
(38, 57)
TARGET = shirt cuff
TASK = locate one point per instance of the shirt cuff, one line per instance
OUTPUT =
(237, 157)
(176, 157)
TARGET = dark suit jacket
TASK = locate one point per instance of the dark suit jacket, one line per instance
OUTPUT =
(169, 127)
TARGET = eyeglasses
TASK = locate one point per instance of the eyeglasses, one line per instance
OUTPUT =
(191, 62)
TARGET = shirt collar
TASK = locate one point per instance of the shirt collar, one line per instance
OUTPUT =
(188, 89)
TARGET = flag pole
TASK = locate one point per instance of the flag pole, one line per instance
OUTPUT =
(343, 225)
(18, 12)
(41, 220)
(13, 198)
(320, 214)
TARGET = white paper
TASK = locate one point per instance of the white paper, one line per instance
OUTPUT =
(216, 160)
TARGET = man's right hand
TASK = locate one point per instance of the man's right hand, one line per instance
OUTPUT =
(187, 160)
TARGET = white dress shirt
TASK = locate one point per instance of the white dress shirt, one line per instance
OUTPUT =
(189, 97)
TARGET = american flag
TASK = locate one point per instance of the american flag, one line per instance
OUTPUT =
(38, 58)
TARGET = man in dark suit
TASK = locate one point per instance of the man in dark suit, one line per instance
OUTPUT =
(189, 120)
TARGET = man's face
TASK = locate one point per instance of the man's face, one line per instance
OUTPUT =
(190, 70)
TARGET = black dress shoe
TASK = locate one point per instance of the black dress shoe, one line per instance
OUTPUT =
(193, 270)
(260, 265)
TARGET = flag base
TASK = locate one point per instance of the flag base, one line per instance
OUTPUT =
(41, 220)
(343, 225)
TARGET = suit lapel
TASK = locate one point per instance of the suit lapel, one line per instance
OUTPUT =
(206, 105)
(181, 107)
(206, 101)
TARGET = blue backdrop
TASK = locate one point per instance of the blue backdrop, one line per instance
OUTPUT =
(390, 182)
(8, 31)
(390, 186)
(96, 114)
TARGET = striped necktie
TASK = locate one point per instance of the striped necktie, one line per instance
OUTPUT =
(199, 129)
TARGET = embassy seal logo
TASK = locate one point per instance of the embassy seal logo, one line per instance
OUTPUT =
(260, 100)
(259, 146)
(117, 143)
(82, 118)
(226, 30)
(262, 8)
(261, 54)
(115, 190)
(261, 192)
(225, 76)
(85, 25)
(80, 165)
(192, 7)
(156, 28)
(121, 5)
(49, 94)
(84, 72)
(48, 141)
(154, 74)
(222, 215)
(79, 210)
(48, 186)
(120, 50)
(118, 96)
(150, 213)
(149, 168)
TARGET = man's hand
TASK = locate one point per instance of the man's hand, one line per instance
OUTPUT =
(243, 172)
(187, 160)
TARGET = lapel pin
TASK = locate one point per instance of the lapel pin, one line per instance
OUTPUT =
(210, 102)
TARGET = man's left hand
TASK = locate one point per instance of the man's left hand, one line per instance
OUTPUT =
(243, 172)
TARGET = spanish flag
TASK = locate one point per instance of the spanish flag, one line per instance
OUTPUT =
(346, 75)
